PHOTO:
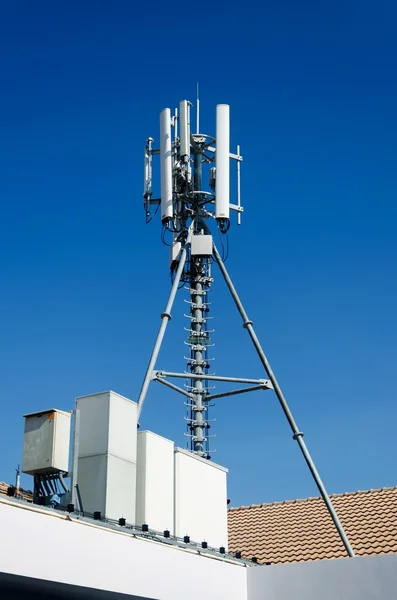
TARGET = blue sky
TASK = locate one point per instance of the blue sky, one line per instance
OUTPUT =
(313, 95)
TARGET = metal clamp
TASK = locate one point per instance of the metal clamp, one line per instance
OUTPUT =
(246, 323)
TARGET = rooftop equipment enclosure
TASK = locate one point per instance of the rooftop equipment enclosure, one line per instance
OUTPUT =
(200, 499)
(46, 442)
(106, 473)
(155, 482)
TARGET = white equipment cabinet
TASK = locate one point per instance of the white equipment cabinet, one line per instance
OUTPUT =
(106, 473)
(155, 482)
(200, 499)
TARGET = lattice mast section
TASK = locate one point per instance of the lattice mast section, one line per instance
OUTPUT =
(199, 340)
(189, 205)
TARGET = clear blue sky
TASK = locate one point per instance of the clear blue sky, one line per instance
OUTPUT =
(313, 95)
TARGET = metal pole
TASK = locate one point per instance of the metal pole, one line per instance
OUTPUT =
(198, 173)
(81, 507)
(17, 481)
(196, 297)
(197, 290)
(238, 186)
(297, 435)
(197, 110)
(165, 318)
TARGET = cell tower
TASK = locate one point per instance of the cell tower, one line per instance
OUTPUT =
(190, 210)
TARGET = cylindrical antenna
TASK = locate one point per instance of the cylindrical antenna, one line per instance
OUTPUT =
(167, 210)
(184, 147)
(222, 157)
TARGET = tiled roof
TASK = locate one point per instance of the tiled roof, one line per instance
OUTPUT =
(23, 494)
(302, 530)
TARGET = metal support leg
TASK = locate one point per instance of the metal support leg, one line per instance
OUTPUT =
(297, 435)
(78, 496)
(165, 317)
(254, 388)
(174, 387)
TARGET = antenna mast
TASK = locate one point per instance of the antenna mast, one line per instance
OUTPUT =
(188, 209)
(195, 199)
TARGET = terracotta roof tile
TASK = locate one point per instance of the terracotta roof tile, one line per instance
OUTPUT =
(302, 530)
(24, 494)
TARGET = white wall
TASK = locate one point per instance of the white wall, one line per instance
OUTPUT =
(94, 424)
(155, 481)
(92, 556)
(48, 546)
(121, 483)
(62, 439)
(92, 480)
(122, 427)
(200, 499)
(361, 578)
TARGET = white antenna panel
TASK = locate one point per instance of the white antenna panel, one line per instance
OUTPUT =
(184, 146)
(147, 173)
(184, 119)
(222, 157)
(167, 211)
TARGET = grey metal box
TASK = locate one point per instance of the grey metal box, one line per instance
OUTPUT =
(46, 442)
